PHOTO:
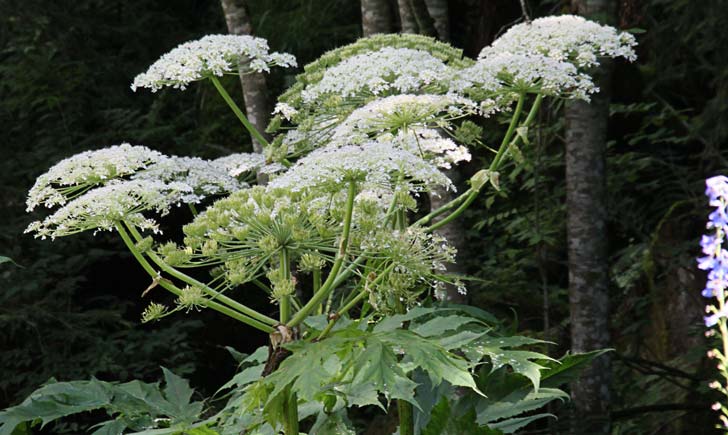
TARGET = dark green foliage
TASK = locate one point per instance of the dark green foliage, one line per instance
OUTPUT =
(133, 405)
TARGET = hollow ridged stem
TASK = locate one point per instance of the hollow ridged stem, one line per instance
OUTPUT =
(285, 302)
(328, 286)
(177, 291)
(239, 113)
(235, 305)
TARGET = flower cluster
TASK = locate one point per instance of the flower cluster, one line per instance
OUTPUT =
(716, 256)
(73, 176)
(509, 73)
(429, 144)
(715, 261)
(400, 112)
(240, 163)
(566, 38)
(213, 55)
(387, 71)
(376, 163)
(102, 208)
(203, 177)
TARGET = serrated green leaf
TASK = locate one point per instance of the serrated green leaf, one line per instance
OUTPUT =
(441, 324)
(177, 391)
(444, 422)
(513, 424)
(379, 366)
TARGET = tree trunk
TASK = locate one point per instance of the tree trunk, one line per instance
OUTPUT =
(586, 136)
(440, 14)
(415, 18)
(376, 17)
(255, 91)
(454, 232)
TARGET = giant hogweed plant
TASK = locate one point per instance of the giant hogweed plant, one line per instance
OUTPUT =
(354, 271)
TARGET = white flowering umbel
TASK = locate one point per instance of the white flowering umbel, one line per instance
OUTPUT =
(503, 76)
(104, 207)
(567, 38)
(203, 177)
(383, 72)
(402, 112)
(213, 55)
(372, 163)
(74, 175)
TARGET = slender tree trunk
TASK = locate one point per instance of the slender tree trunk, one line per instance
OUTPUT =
(586, 136)
(376, 17)
(454, 232)
(440, 14)
(255, 91)
(415, 18)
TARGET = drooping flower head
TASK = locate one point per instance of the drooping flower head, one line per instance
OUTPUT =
(213, 55)
(566, 38)
(73, 176)
(103, 207)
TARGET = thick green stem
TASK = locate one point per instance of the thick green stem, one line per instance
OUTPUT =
(406, 418)
(328, 286)
(317, 287)
(509, 134)
(239, 113)
(286, 274)
(290, 410)
(177, 291)
(193, 282)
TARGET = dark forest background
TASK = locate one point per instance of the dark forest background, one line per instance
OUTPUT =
(71, 309)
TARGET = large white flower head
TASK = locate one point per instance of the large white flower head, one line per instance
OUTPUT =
(240, 163)
(402, 112)
(566, 38)
(73, 176)
(204, 177)
(211, 55)
(386, 71)
(102, 208)
(506, 75)
(376, 163)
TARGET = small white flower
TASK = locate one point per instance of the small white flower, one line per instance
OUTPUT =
(240, 163)
(285, 110)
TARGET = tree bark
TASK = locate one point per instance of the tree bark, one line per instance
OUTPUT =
(454, 232)
(440, 14)
(415, 18)
(255, 91)
(586, 137)
(376, 17)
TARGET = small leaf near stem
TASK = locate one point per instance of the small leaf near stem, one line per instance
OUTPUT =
(239, 113)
